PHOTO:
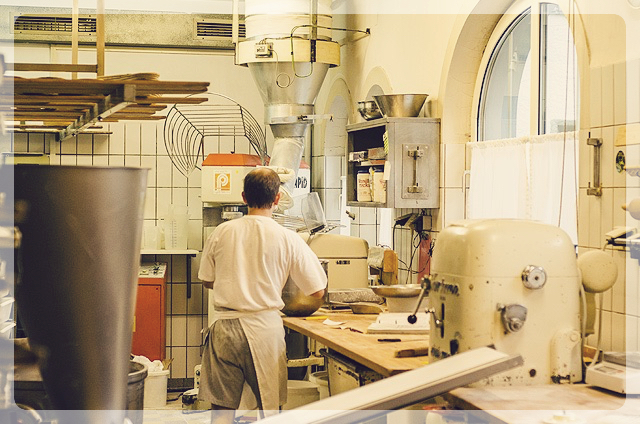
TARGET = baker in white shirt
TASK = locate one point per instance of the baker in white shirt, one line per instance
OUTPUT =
(246, 262)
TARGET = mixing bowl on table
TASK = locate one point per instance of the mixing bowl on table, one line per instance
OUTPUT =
(399, 297)
(296, 303)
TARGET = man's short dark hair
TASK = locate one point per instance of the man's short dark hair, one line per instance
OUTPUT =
(261, 187)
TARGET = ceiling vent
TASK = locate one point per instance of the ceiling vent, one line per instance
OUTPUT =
(217, 29)
(52, 23)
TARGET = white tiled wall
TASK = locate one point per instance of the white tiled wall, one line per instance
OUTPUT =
(614, 104)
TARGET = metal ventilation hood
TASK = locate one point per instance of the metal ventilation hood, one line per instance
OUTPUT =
(124, 28)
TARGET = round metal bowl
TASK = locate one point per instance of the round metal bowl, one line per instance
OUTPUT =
(401, 105)
(397, 290)
(369, 110)
(296, 304)
(365, 308)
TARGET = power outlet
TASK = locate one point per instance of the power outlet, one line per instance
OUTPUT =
(421, 223)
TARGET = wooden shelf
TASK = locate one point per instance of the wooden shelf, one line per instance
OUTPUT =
(68, 107)
(366, 204)
(372, 162)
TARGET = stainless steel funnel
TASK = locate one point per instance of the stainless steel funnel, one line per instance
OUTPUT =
(288, 101)
(289, 51)
(76, 282)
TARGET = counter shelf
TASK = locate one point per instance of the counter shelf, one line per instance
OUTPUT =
(189, 253)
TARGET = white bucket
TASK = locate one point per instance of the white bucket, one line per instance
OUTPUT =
(321, 378)
(300, 393)
(155, 389)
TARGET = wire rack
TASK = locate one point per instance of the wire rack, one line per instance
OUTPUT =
(187, 125)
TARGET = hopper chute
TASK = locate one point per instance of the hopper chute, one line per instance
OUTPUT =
(289, 50)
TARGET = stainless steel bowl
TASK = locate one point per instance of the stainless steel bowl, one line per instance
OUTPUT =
(397, 290)
(365, 308)
(369, 110)
(401, 105)
(296, 303)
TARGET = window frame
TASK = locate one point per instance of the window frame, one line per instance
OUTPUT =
(490, 64)
(512, 16)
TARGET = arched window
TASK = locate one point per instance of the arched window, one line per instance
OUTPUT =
(526, 164)
(530, 81)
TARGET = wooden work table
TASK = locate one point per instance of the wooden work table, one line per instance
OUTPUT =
(494, 405)
(539, 404)
(359, 346)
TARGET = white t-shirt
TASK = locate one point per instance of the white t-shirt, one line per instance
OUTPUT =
(249, 260)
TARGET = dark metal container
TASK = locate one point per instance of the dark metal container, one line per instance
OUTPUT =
(29, 393)
(77, 269)
(296, 304)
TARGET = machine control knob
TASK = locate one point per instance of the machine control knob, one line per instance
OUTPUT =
(534, 277)
(513, 317)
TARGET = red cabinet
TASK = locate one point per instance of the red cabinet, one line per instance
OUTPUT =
(149, 321)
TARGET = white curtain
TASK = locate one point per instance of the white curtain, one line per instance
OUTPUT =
(527, 178)
(498, 182)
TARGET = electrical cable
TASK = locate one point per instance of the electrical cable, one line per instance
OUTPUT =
(431, 245)
(295, 28)
(571, 60)
(393, 236)
(415, 249)
(599, 340)
(289, 80)
(583, 323)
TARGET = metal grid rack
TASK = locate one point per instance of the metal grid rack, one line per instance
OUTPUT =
(186, 127)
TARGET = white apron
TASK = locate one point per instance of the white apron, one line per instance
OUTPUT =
(265, 334)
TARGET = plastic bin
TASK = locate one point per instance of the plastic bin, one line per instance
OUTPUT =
(321, 378)
(155, 389)
(300, 393)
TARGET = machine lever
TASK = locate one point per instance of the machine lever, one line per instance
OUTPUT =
(426, 286)
(438, 322)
